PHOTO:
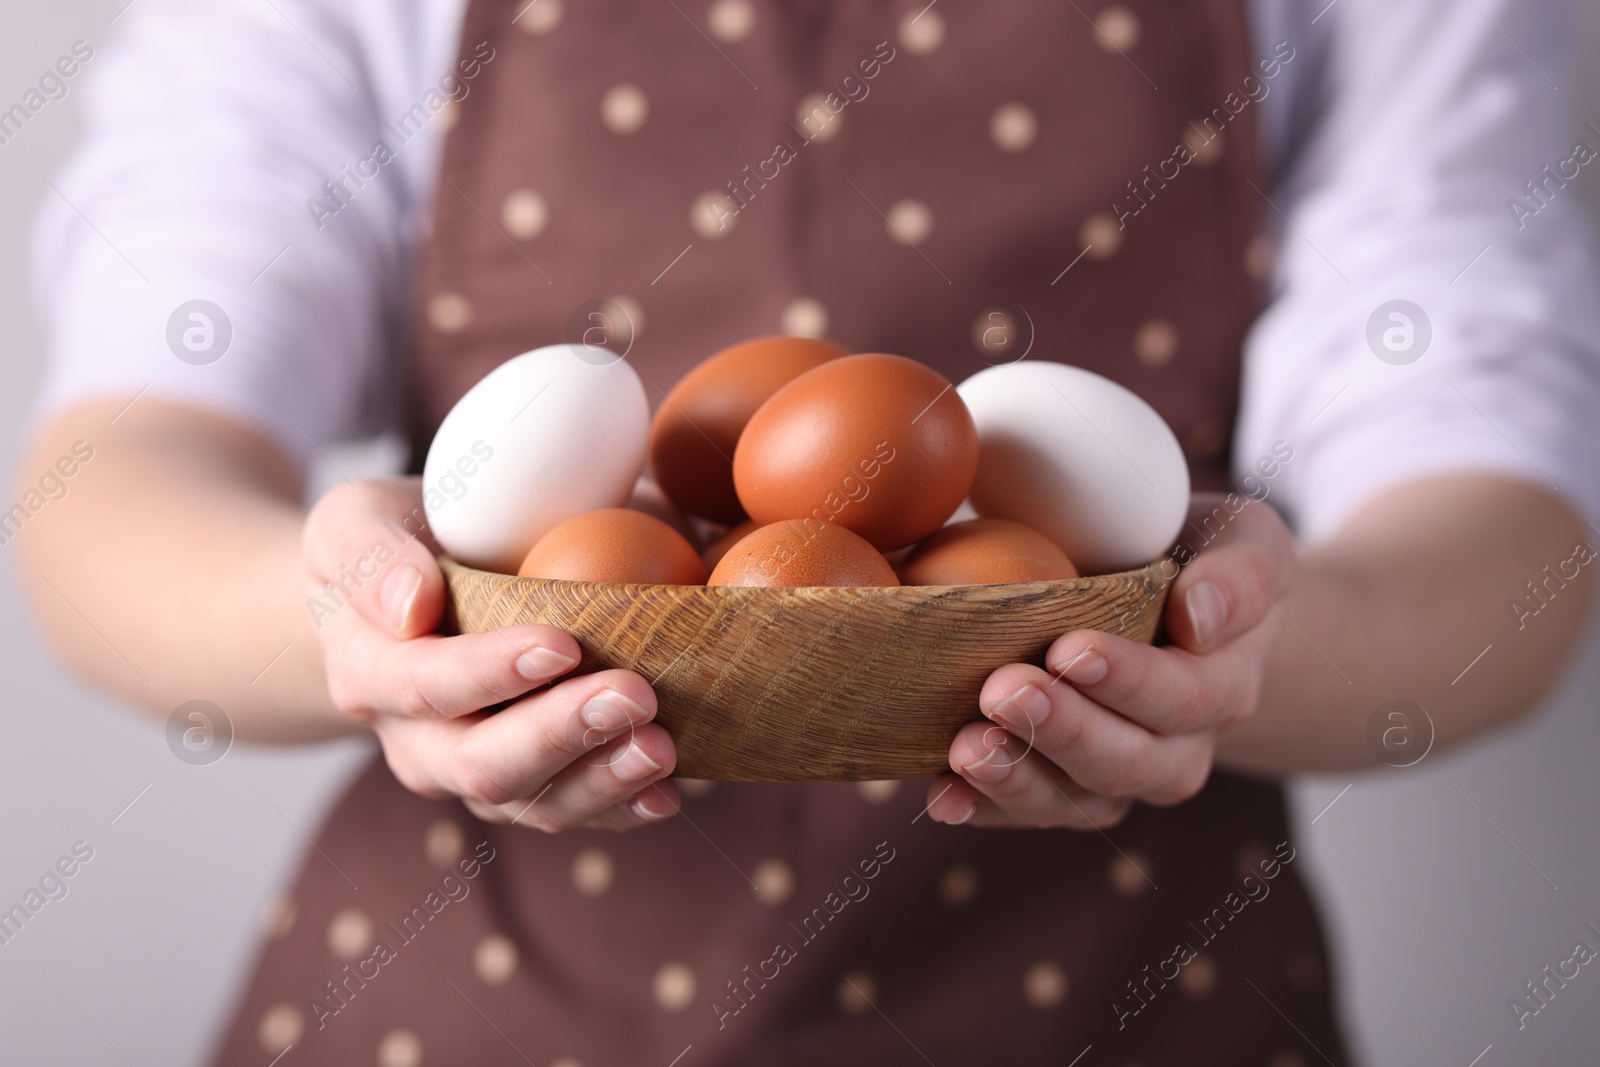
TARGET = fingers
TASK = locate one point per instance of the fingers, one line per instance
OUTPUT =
(654, 803)
(594, 794)
(1166, 690)
(957, 802)
(1244, 566)
(367, 546)
(1095, 747)
(432, 677)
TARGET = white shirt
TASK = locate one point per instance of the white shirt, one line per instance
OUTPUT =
(1394, 140)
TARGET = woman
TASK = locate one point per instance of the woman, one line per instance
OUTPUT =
(888, 174)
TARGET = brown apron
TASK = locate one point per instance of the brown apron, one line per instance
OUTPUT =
(956, 200)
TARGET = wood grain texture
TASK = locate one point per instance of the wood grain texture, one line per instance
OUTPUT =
(813, 684)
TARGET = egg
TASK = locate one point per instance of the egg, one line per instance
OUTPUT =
(878, 444)
(719, 548)
(1080, 459)
(544, 436)
(800, 552)
(614, 545)
(694, 433)
(985, 552)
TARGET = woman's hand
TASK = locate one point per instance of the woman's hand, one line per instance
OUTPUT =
(582, 752)
(1113, 721)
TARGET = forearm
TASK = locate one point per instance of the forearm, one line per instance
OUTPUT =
(171, 569)
(1401, 604)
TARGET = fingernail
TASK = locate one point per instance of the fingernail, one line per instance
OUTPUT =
(540, 664)
(994, 766)
(633, 764)
(1086, 668)
(1208, 611)
(609, 710)
(972, 809)
(400, 588)
(638, 806)
(1023, 710)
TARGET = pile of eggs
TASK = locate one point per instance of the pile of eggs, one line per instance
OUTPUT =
(786, 461)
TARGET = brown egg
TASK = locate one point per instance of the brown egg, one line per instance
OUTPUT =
(878, 444)
(614, 545)
(803, 552)
(985, 552)
(694, 432)
(719, 548)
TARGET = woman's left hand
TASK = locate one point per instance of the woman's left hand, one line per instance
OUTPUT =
(1113, 721)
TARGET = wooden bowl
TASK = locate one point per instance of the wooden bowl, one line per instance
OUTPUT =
(814, 684)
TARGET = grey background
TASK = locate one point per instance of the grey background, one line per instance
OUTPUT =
(1438, 915)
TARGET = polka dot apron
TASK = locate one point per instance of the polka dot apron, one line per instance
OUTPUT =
(965, 184)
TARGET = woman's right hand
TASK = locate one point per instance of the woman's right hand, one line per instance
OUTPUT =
(582, 752)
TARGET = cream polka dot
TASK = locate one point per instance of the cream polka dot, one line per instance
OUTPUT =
(1251, 855)
(713, 215)
(856, 992)
(816, 120)
(1205, 439)
(1128, 874)
(674, 986)
(630, 308)
(731, 20)
(495, 960)
(922, 33)
(695, 787)
(1305, 969)
(1118, 29)
(280, 1027)
(1198, 978)
(1259, 256)
(1101, 234)
(1013, 126)
(400, 1048)
(1287, 1059)
(910, 222)
(804, 317)
(278, 917)
(1207, 145)
(1156, 342)
(774, 882)
(350, 934)
(958, 885)
(1044, 985)
(994, 334)
(449, 115)
(624, 108)
(524, 214)
(541, 17)
(566, 1061)
(592, 872)
(444, 843)
(878, 792)
(449, 312)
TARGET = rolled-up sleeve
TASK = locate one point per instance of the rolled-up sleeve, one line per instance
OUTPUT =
(1431, 120)
(212, 129)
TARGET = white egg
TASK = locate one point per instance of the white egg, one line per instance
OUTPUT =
(1079, 458)
(544, 436)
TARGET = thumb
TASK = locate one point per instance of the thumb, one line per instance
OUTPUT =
(367, 545)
